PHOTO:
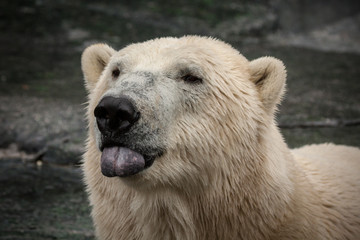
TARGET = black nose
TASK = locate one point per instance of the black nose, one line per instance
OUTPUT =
(115, 115)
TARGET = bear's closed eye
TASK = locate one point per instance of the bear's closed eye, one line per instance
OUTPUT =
(115, 73)
(191, 79)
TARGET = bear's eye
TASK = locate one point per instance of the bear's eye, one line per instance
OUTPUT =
(115, 73)
(191, 79)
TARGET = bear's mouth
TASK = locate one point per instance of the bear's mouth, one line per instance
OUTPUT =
(121, 161)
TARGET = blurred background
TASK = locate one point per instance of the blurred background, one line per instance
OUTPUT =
(42, 128)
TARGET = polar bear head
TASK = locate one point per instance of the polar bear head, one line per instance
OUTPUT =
(167, 111)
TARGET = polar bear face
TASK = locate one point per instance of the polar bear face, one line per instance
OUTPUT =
(168, 110)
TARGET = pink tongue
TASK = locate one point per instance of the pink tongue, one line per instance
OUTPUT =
(120, 161)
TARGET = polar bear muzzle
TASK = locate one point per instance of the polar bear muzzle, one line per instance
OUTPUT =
(116, 116)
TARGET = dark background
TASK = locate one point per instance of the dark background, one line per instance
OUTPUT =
(42, 128)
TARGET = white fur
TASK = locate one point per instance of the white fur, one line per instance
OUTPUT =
(226, 172)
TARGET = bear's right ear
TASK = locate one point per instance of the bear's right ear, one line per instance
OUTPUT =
(93, 61)
(269, 76)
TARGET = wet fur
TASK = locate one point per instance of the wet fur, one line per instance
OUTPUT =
(226, 172)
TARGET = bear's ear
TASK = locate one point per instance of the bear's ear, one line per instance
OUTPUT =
(93, 61)
(269, 76)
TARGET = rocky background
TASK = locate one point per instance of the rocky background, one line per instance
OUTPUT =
(42, 99)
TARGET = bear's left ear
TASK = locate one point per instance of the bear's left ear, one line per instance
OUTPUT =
(93, 61)
(269, 76)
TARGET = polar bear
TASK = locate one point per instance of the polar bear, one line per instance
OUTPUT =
(183, 145)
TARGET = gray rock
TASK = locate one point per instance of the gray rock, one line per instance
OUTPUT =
(257, 22)
(53, 129)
